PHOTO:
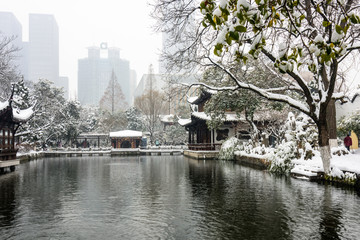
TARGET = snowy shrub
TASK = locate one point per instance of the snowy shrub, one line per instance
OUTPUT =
(337, 175)
(281, 159)
(302, 131)
(339, 151)
(228, 148)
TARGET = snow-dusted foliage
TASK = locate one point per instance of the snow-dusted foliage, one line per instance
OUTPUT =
(134, 118)
(281, 159)
(297, 36)
(174, 135)
(300, 143)
(228, 148)
(21, 95)
(54, 118)
(337, 175)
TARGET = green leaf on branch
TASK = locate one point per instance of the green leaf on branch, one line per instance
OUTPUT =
(234, 36)
(354, 19)
(326, 23)
(338, 29)
(240, 28)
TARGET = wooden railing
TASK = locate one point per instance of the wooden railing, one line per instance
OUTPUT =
(204, 146)
(7, 154)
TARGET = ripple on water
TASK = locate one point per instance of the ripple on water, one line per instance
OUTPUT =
(159, 197)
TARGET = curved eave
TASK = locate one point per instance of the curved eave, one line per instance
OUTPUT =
(22, 115)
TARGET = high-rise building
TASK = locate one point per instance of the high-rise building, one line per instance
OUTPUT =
(43, 47)
(94, 74)
(39, 57)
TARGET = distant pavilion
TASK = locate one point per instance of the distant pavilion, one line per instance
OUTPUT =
(126, 139)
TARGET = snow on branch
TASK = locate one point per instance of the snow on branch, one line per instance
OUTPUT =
(262, 92)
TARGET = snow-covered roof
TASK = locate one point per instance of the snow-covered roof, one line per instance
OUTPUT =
(3, 105)
(228, 116)
(18, 115)
(22, 115)
(184, 122)
(167, 118)
(191, 100)
(126, 133)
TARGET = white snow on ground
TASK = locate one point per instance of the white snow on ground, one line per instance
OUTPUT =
(348, 163)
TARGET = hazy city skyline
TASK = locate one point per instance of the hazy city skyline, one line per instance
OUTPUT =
(88, 23)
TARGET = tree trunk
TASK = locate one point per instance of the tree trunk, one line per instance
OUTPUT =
(324, 143)
(331, 123)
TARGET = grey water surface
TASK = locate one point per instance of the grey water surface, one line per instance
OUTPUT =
(168, 197)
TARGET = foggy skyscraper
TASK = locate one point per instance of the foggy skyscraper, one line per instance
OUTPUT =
(43, 48)
(94, 73)
(11, 27)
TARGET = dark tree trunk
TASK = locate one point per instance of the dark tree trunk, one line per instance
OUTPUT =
(323, 130)
(331, 123)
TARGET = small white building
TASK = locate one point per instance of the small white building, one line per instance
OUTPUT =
(126, 139)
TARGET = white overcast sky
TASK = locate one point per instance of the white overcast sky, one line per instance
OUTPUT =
(125, 24)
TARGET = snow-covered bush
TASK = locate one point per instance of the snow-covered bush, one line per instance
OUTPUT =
(300, 143)
(339, 151)
(281, 159)
(337, 175)
(228, 148)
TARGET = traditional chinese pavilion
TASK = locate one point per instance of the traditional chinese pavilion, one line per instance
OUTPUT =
(10, 120)
(201, 137)
(126, 139)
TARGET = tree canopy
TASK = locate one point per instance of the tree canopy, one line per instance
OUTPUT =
(295, 36)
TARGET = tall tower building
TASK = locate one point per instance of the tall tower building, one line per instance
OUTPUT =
(94, 73)
(43, 48)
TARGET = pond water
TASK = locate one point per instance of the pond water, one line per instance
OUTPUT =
(168, 197)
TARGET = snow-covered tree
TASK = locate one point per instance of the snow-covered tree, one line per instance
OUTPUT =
(296, 36)
(71, 119)
(113, 99)
(243, 102)
(175, 134)
(134, 119)
(21, 95)
(89, 117)
(111, 122)
(54, 119)
(151, 104)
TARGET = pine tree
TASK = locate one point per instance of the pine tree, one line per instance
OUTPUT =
(113, 99)
(21, 95)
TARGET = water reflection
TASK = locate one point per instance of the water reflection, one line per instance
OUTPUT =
(7, 199)
(163, 197)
